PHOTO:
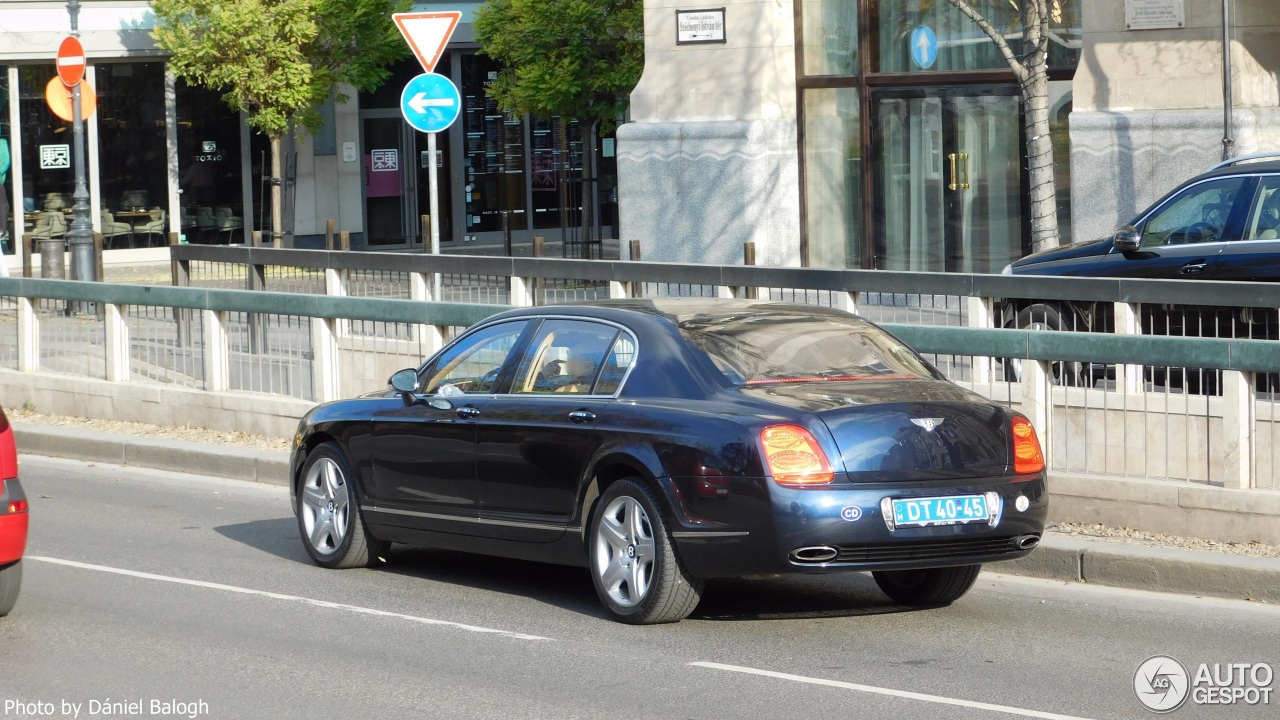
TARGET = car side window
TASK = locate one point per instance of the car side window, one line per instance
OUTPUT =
(616, 364)
(1198, 215)
(472, 366)
(564, 357)
(1263, 222)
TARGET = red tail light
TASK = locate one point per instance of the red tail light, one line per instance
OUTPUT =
(1027, 458)
(19, 506)
(794, 457)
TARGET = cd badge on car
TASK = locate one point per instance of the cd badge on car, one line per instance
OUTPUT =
(928, 423)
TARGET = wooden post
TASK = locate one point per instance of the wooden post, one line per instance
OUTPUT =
(255, 239)
(749, 258)
(539, 246)
(426, 233)
(26, 257)
(97, 257)
(328, 235)
(344, 240)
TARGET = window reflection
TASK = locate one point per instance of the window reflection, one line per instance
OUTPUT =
(493, 153)
(209, 177)
(830, 37)
(48, 176)
(132, 148)
(7, 233)
(833, 177)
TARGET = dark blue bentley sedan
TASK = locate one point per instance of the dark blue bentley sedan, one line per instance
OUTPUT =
(661, 443)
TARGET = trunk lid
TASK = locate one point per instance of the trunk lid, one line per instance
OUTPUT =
(905, 430)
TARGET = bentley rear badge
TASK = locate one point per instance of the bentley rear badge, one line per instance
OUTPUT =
(927, 423)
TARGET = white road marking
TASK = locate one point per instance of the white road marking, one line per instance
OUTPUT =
(1021, 712)
(281, 596)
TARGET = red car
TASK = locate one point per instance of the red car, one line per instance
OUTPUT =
(13, 519)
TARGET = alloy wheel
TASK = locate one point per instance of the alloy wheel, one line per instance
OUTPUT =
(625, 551)
(326, 506)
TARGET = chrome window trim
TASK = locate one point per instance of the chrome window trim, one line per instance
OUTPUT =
(472, 520)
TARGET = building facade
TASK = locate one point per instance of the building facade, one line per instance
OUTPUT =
(165, 157)
(889, 133)
(831, 133)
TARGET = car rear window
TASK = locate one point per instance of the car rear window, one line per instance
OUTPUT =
(763, 348)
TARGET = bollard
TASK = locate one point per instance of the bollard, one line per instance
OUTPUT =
(328, 235)
(344, 240)
(539, 246)
(255, 238)
(637, 288)
(53, 260)
(749, 258)
(506, 230)
(426, 233)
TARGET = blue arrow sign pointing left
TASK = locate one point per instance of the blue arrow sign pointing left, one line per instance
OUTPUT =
(430, 103)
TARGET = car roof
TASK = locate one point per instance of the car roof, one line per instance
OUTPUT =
(676, 310)
(1244, 167)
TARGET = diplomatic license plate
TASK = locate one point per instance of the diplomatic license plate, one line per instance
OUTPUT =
(923, 512)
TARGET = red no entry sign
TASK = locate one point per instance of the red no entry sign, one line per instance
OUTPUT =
(70, 61)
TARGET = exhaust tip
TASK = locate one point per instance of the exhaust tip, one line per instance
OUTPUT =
(1027, 542)
(814, 554)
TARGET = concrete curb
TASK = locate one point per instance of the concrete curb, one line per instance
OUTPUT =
(1071, 559)
(153, 453)
(1140, 567)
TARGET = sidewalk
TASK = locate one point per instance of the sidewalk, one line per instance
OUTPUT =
(1059, 557)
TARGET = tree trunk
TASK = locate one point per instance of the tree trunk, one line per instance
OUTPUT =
(277, 192)
(1040, 171)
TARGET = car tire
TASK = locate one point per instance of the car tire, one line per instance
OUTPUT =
(633, 562)
(1044, 317)
(10, 583)
(333, 532)
(931, 587)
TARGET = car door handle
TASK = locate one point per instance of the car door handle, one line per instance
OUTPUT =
(1192, 268)
(582, 416)
(468, 413)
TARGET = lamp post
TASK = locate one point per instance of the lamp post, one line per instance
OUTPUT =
(80, 234)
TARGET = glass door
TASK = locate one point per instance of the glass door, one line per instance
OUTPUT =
(948, 171)
(390, 179)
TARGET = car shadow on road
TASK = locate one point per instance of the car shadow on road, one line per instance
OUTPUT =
(839, 595)
(277, 536)
(570, 588)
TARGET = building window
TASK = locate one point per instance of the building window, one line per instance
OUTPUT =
(133, 160)
(48, 174)
(833, 176)
(493, 153)
(830, 37)
(209, 173)
(7, 215)
(958, 44)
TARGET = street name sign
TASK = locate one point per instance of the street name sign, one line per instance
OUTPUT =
(70, 61)
(427, 33)
(695, 27)
(430, 103)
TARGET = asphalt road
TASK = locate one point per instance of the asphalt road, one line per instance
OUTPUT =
(144, 586)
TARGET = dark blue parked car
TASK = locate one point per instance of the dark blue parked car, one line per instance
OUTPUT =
(661, 443)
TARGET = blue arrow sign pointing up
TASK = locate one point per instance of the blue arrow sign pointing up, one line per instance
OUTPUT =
(924, 46)
(430, 103)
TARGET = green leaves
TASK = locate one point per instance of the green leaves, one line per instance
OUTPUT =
(277, 59)
(574, 58)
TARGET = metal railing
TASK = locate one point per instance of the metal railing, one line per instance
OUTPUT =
(1122, 421)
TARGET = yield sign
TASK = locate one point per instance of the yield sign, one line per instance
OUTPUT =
(70, 61)
(427, 33)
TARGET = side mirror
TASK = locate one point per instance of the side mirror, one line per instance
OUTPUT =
(405, 381)
(1127, 239)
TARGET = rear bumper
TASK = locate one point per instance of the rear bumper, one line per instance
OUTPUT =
(13, 527)
(846, 531)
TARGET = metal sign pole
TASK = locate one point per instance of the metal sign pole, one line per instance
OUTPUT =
(434, 189)
(80, 234)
